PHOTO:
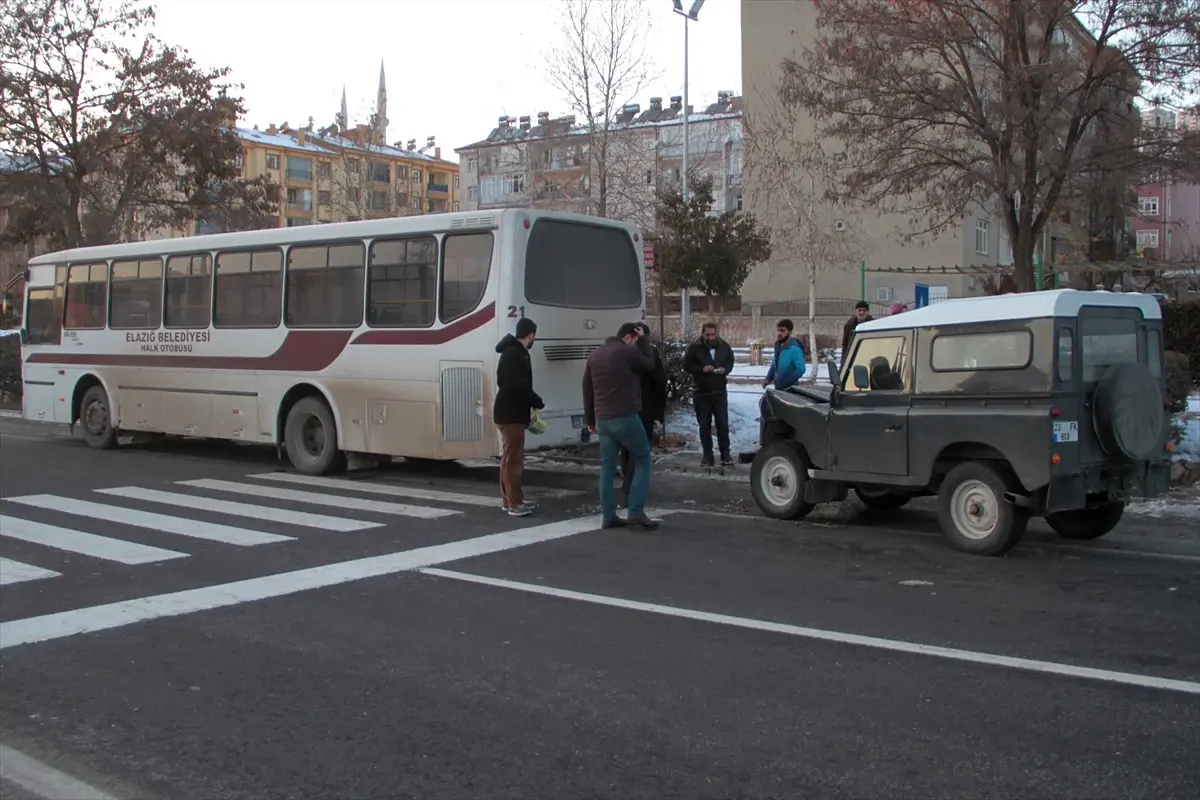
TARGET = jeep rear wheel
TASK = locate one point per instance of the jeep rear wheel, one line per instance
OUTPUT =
(777, 478)
(1086, 523)
(973, 512)
(881, 499)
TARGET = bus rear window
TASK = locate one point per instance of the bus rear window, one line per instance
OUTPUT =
(576, 265)
(1106, 341)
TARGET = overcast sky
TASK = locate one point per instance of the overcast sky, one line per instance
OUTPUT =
(453, 66)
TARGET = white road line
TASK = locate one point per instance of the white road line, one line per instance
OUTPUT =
(334, 501)
(16, 572)
(1030, 665)
(241, 509)
(43, 780)
(390, 489)
(85, 544)
(145, 519)
(116, 615)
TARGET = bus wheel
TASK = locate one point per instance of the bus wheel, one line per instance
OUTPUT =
(310, 437)
(95, 417)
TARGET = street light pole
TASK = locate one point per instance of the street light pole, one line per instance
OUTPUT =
(690, 15)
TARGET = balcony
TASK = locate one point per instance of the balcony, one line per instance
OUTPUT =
(303, 174)
(444, 188)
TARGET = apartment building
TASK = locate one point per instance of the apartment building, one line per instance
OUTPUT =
(555, 163)
(967, 253)
(1167, 224)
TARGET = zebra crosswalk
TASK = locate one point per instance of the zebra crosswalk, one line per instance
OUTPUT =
(179, 511)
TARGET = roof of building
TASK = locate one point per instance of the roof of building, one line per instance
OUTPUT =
(999, 308)
(331, 143)
(630, 117)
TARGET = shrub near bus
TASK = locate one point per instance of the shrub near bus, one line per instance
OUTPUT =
(366, 339)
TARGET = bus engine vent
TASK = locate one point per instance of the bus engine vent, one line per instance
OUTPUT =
(462, 398)
(568, 352)
(474, 222)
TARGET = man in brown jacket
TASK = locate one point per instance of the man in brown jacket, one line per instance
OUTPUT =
(612, 398)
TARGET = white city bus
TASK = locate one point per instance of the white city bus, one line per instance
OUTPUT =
(374, 337)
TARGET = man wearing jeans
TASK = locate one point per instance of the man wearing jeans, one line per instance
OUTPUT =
(612, 398)
(512, 411)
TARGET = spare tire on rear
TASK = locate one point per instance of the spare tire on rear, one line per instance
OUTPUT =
(1127, 412)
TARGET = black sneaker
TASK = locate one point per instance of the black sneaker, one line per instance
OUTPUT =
(726, 460)
(615, 522)
(706, 461)
(644, 522)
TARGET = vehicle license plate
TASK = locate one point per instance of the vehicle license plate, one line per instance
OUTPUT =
(1066, 432)
(577, 421)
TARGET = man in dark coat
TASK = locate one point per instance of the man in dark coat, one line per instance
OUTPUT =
(654, 407)
(709, 362)
(512, 411)
(862, 313)
(612, 400)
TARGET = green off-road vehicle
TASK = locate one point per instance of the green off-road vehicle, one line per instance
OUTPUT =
(1044, 404)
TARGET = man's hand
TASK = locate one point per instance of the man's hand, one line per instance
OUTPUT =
(707, 368)
(719, 370)
(766, 384)
(592, 428)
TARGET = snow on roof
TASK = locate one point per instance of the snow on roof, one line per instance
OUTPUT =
(1030, 305)
(516, 135)
(315, 143)
(281, 140)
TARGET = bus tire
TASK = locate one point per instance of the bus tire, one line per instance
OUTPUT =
(310, 438)
(95, 417)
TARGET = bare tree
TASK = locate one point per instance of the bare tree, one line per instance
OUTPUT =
(942, 105)
(601, 64)
(817, 228)
(111, 133)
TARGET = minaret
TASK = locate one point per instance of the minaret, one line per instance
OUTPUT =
(343, 119)
(381, 118)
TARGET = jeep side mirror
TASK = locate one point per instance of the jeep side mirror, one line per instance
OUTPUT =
(862, 380)
(24, 336)
(835, 376)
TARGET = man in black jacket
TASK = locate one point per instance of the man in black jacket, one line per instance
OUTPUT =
(862, 313)
(654, 406)
(709, 362)
(512, 411)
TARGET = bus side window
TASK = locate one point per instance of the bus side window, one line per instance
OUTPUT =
(466, 265)
(136, 294)
(87, 297)
(249, 289)
(325, 286)
(402, 283)
(189, 291)
(42, 324)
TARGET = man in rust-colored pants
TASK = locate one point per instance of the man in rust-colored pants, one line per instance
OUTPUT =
(512, 411)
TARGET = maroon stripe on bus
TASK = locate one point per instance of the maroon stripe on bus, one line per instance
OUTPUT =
(301, 351)
(429, 335)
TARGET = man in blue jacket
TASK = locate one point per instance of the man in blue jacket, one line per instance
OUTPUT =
(787, 367)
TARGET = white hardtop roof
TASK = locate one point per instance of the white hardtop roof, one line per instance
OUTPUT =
(267, 237)
(999, 308)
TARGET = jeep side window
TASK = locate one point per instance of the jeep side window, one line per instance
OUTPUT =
(1154, 355)
(1106, 341)
(885, 362)
(966, 352)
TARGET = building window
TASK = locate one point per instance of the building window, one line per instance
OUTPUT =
(137, 288)
(189, 292)
(981, 237)
(299, 169)
(965, 352)
(323, 170)
(352, 166)
(473, 164)
(249, 289)
(455, 181)
(416, 176)
(181, 184)
(456, 205)
(402, 173)
(416, 202)
(87, 296)
(1148, 206)
(325, 286)
(299, 199)
(739, 202)
(466, 263)
(472, 192)
(1147, 238)
(402, 283)
(324, 198)
(272, 161)
(377, 201)
(379, 172)
(885, 362)
(297, 222)
(354, 194)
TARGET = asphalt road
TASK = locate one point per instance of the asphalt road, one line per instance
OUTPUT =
(441, 657)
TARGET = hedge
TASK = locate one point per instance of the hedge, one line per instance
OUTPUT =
(1181, 332)
(10, 368)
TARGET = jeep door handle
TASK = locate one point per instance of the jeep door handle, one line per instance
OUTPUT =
(892, 428)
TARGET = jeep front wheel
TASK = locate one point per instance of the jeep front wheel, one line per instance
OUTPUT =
(1086, 523)
(973, 512)
(777, 478)
(881, 499)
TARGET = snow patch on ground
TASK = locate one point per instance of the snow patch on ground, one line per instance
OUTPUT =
(1189, 442)
(1167, 508)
